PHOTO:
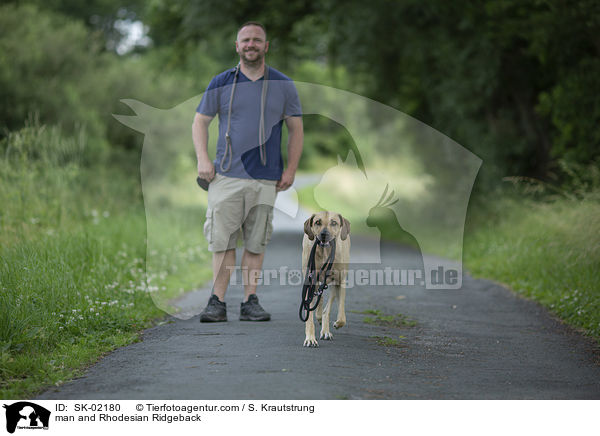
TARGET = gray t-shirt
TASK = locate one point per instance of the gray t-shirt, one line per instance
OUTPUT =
(281, 101)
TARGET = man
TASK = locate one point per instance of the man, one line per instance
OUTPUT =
(252, 100)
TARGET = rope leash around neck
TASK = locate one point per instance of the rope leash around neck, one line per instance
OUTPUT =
(228, 154)
(228, 149)
(309, 289)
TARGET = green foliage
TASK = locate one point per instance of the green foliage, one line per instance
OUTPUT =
(579, 182)
(44, 60)
(65, 77)
(572, 106)
(73, 278)
(513, 81)
(181, 24)
(46, 185)
(97, 15)
(39, 145)
(547, 251)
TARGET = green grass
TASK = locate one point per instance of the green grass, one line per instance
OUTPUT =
(397, 321)
(73, 278)
(387, 341)
(546, 251)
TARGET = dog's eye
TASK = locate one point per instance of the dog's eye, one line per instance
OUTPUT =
(318, 222)
(333, 223)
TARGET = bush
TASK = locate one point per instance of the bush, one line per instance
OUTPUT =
(54, 69)
(45, 66)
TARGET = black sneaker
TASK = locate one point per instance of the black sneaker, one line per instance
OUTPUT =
(252, 311)
(215, 310)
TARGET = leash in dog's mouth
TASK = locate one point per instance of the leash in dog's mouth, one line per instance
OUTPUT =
(309, 289)
(323, 243)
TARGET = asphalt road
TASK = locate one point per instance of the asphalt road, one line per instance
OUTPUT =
(480, 342)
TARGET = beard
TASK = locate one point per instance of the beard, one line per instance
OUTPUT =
(252, 57)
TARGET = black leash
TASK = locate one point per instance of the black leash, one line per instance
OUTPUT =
(310, 281)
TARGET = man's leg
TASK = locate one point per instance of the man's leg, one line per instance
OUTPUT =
(251, 268)
(216, 309)
(256, 229)
(250, 309)
(223, 266)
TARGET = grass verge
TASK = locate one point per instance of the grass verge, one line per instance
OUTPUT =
(546, 251)
(73, 277)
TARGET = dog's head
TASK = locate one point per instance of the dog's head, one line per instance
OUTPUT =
(326, 226)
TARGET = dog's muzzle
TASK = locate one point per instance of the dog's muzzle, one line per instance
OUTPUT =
(324, 243)
(324, 239)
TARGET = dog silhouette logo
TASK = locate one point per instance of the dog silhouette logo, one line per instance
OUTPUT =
(26, 415)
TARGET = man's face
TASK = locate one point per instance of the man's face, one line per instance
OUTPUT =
(251, 44)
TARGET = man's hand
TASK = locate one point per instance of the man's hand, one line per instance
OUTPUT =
(287, 178)
(206, 169)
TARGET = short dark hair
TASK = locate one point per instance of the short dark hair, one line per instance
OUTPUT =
(253, 23)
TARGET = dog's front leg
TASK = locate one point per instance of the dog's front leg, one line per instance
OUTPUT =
(309, 329)
(325, 332)
(319, 311)
(341, 315)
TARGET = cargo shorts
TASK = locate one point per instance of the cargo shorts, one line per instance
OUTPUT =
(239, 208)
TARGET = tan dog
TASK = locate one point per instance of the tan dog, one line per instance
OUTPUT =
(326, 226)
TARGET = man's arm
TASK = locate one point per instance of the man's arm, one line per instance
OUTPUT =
(295, 144)
(206, 169)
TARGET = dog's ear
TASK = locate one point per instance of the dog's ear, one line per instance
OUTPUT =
(345, 228)
(308, 227)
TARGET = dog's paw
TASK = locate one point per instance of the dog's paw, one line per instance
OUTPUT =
(311, 342)
(339, 323)
(327, 336)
